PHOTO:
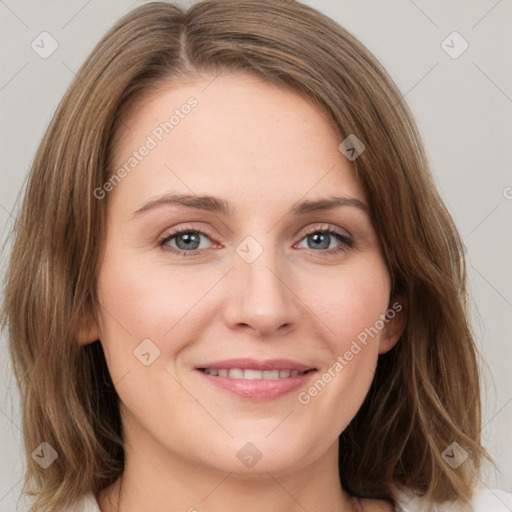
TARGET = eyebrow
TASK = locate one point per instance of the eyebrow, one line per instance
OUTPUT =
(217, 205)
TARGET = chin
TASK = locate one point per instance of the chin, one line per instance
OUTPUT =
(258, 456)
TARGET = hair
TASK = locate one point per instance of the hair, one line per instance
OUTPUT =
(425, 393)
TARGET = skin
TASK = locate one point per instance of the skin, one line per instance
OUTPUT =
(261, 148)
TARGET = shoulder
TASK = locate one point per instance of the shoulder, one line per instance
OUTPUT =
(484, 500)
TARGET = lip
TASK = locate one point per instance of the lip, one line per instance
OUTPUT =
(258, 389)
(258, 364)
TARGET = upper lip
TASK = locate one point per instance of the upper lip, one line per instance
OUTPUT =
(257, 364)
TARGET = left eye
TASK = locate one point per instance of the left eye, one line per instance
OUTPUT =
(321, 239)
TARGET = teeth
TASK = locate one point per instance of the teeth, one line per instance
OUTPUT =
(236, 373)
(250, 374)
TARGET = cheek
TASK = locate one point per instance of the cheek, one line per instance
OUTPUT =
(350, 308)
(147, 318)
(352, 303)
(137, 304)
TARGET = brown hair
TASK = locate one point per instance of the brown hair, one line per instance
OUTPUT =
(425, 392)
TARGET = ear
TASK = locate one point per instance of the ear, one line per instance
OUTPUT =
(88, 330)
(395, 320)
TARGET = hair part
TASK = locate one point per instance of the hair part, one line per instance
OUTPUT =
(425, 392)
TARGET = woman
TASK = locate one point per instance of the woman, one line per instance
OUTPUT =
(252, 294)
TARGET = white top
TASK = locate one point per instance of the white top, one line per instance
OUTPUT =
(485, 500)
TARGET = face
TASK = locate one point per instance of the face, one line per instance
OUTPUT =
(247, 341)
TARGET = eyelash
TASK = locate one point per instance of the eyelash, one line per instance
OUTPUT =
(346, 241)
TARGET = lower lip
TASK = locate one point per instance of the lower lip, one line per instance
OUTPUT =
(262, 389)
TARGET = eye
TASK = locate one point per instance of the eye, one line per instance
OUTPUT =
(187, 241)
(321, 238)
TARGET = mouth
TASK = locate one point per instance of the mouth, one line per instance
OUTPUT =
(253, 374)
(257, 379)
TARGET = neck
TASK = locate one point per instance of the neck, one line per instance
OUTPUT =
(165, 482)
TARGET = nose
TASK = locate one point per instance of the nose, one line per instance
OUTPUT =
(261, 296)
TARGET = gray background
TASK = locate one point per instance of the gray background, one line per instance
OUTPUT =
(462, 105)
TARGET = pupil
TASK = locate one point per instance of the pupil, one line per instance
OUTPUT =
(189, 240)
(318, 237)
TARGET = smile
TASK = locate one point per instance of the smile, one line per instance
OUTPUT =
(256, 379)
(252, 374)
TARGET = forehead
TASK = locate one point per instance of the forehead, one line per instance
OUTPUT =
(231, 135)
